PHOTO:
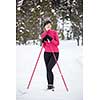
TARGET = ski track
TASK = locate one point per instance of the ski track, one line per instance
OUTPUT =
(70, 62)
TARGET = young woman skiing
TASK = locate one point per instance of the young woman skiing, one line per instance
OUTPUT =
(50, 43)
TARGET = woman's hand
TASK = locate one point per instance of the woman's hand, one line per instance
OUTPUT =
(46, 38)
(49, 37)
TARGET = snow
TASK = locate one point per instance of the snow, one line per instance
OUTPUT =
(40, 0)
(38, 6)
(70, 62)
(32, 9)
(52, 10)
(20, 2)
(41, 13)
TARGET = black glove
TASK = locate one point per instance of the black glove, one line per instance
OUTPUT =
(44, 39)
(49, 37)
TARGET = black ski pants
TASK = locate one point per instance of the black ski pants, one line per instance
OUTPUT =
(50, 62)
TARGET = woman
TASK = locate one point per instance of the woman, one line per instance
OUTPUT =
(50, 43)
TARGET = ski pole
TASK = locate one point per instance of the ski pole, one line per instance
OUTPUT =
(34, 69)
(60, 70)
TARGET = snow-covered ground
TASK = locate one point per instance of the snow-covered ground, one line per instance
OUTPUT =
(70, 61)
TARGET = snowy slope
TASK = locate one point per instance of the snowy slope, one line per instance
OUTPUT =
(70, 61)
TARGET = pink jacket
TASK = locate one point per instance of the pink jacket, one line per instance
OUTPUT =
(51, 46)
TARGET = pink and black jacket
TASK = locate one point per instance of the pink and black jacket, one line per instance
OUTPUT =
(51, 46)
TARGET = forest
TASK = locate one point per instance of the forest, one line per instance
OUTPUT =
(66, 17)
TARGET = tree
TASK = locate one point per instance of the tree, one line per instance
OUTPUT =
(31, 14)
(71, 10)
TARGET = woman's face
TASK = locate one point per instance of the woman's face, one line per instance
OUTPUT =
(47, 27)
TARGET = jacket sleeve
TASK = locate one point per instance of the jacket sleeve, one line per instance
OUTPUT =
(43, 35)
(55, 40)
